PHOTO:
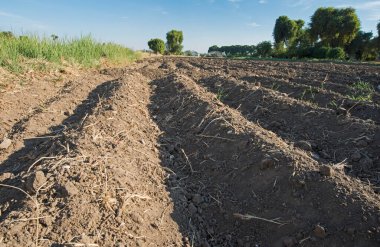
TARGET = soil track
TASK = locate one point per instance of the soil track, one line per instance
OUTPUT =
(195, 152)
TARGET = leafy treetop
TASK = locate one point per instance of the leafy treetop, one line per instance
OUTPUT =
(174, 40)
(157, 45)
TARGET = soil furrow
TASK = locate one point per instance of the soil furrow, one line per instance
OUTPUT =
(225, 165)
(325, 135)
(44, 115)
(305, 74)
(321, 97)
(105, 187)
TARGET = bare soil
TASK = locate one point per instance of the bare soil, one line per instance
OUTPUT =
(192, 152)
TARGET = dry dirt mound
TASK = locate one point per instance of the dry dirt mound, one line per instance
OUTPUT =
(194, 152)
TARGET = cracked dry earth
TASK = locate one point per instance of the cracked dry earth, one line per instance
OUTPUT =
(193, 152)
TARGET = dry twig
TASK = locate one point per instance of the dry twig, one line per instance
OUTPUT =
(42, 158)
(250, 217)
(187, 160)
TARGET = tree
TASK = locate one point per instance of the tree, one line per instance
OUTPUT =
(235, 50)
(174, 40)
(264, 49)
(377, 41)
(285, 30)
(334, 27)
(300, 23)
(362, 47)
(213, 48)
(157, 45)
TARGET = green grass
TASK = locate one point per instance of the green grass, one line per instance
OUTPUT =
(220, 94)
(362, 91)
(309, 91)
(84, 51)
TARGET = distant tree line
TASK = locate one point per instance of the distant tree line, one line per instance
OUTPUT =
(173, 45)
(333, 33)
(263, 49)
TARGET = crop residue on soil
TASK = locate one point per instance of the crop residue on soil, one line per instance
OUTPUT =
(194, 152)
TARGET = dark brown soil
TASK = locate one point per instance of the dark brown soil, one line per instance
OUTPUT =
(193, 152)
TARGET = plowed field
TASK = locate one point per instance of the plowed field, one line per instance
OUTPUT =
(193, 152)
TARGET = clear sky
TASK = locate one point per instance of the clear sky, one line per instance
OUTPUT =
(134, 22)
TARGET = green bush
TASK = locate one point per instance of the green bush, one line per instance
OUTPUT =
(320, 52)
(336, 53)
(264, 49)
(305, 52)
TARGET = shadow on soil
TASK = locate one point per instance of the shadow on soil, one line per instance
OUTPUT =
(212, 177)
(19, 162)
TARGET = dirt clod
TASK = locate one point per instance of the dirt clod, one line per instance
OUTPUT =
(351, 230)
(35, 181)
(46, 221)
(69, 189)
(136, 218)
(289, 242)
(197, 199)
(267, 163)
(327, 170)
(366, 163)
(362, 143)
(5, 143)
(305, 145)
(5, 176)
(356, 156)
(68, 113)
(192, 209)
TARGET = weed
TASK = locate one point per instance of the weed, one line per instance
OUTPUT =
(220, 94)
(333, 104)
(275, 86)
(362, 91)
(309, 91)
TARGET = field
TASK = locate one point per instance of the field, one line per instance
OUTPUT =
(175, 151)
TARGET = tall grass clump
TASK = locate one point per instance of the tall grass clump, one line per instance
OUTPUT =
(83, 51)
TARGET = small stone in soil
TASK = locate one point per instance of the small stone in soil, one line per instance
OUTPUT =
(319, 231)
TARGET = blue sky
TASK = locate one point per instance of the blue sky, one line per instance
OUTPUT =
(134, 22)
